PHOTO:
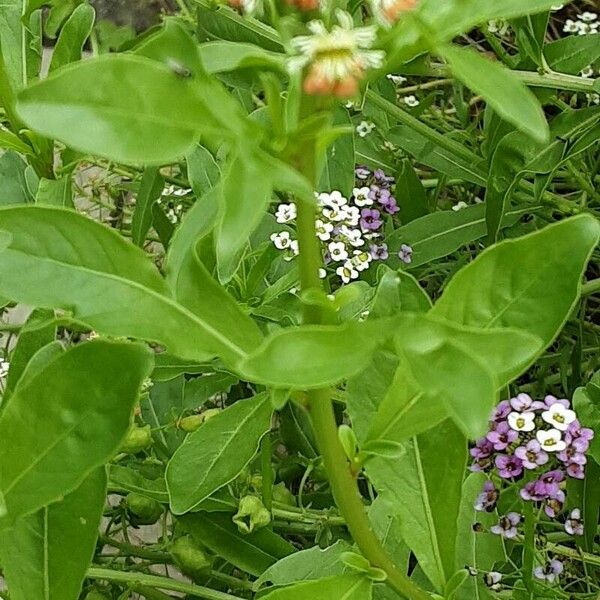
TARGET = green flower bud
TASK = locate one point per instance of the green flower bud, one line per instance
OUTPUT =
(189, 557)
(282, 495)
(256, 482)
(251, 514)
(144, 510)
(210, 413)
(138, 439)
(191, 423)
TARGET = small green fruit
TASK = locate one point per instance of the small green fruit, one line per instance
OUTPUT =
(251, 514)
(144, 510)
(282, 495)
(191, 423)
(189, 557)
(138, 439)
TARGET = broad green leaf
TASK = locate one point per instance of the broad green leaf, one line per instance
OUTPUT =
(530, 283)
(73, 36)
(46, 554)
(344, 587)
(253, 553)
(410, 193)
(499, 88)
(202, 170)
(151, 187)
(423, 488)
(224, 56)
(55, 192)
(309, 564)
(198, 390)
(14, 40)
(128, 479)
(71, 264)
(217, 452)
(572, 54)
(11, 141)
(39, 330)
(441, 233)
(586, 402)
(12, 180)
(313, 356)
(167, 366)
(387, 528)
(398, 291)
(338, 170)
(67, 420)
(40, 360)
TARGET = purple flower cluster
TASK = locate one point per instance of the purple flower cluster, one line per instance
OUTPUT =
(537, 443)
(380, 188)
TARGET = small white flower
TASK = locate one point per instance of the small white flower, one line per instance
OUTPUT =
(351, 215)
(571, 26)
(587, 72)
(337, 251)
(281, 240)
(334, 214)
(4, 366)
(593, 98)
(411, 101)
(364, 128)
(499, 27)
(521, 421)
(559, 417)
(459, 206)
(294, 247)
(322, 273)
(286, 213)
(371, 236)
(361, 196)
(396, 79)
(182, 191)
(333, 199)
(336, 60)
(323, 230)
(587, 16)
(352, 236)
(347, 272)
(556, 7)
(361, 260)
(551, 440)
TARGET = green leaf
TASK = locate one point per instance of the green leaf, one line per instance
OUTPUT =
(410, 191)
(55, 192)
(338, 170)
(203, 171)
(46, 554)
(313, 356)
(309, 564)
(217, 452)
(151, 187)
(76, 259)
(67, 420)
(14, 40)
(73, 36)
(586, 402)
(572, 54)
(128, 479)
(223, 56)
(12, 180)
(423, 488)
(344, 587)
(11, 141)
(253, 553)
(531, 283)
(499, 88)
(479, 550)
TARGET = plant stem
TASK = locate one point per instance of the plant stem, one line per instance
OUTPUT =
(590, 287)
(155, 581)
(343, 484)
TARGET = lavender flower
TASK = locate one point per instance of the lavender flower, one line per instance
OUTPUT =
(507, 525)
(549, 572)
(578, 437)
(509, 466)
(502, 436)
(522, 402)
(405, 254)
(501, 411)
(370, 219)
(486, 501)
(574, 524)
(379, 251)
(362, 172)
(532, 455)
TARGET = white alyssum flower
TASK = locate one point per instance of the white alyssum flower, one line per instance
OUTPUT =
(559, 417)
(4, 366)
(323, 230)
(364, 128)
(361, 196)
(361, 260)
(322, 273)
(347, 272)
(411, 101)
(335, 60)
(521, 421)
(396, 79)
(587, 72)
(588, 16)
(351, 215)
(551, 440)
(498, 26)
(337, 251)
(333, 199)
(286, 212)
(281, 240)
(593, 98)
(334, 214)
(459, 206)
(352, 236)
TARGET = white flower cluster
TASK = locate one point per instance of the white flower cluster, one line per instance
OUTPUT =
(343, 229)
(4, 366)
(173, 210)
(585, 23)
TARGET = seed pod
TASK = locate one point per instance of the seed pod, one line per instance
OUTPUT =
(189, 557)
(251, 514)
(282, 495)
(144, 510)
(138, 439)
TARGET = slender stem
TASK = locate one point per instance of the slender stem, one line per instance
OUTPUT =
(343, 484)
(155, 581)
(529, 546)
(267, 471)
(591, 287)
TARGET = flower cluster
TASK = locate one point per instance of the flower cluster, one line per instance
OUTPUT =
(350, 230)
(173, 208)
(585, 23)
(536, 443)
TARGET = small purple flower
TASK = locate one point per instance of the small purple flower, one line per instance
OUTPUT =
(379, 251)
(374, 192)
(382, 178)
(555, 505)
(384, 197)
(362, 172)
(571, 456)
(548, 484)
(391, 207)
(405, 254)
(481, 452)
(550, 400)
(529, 492)
(522, 402)
(549, 572)
(579, 437)
(370, 219)
(507, 525)
(576, 471)
(508, 466)
(532, 455)
(501, 411)
(574, 524)
(486, 501)
(502, 436)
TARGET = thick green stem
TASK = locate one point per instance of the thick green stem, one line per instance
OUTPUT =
(591, 287)
(155, 581)
(343, 484)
